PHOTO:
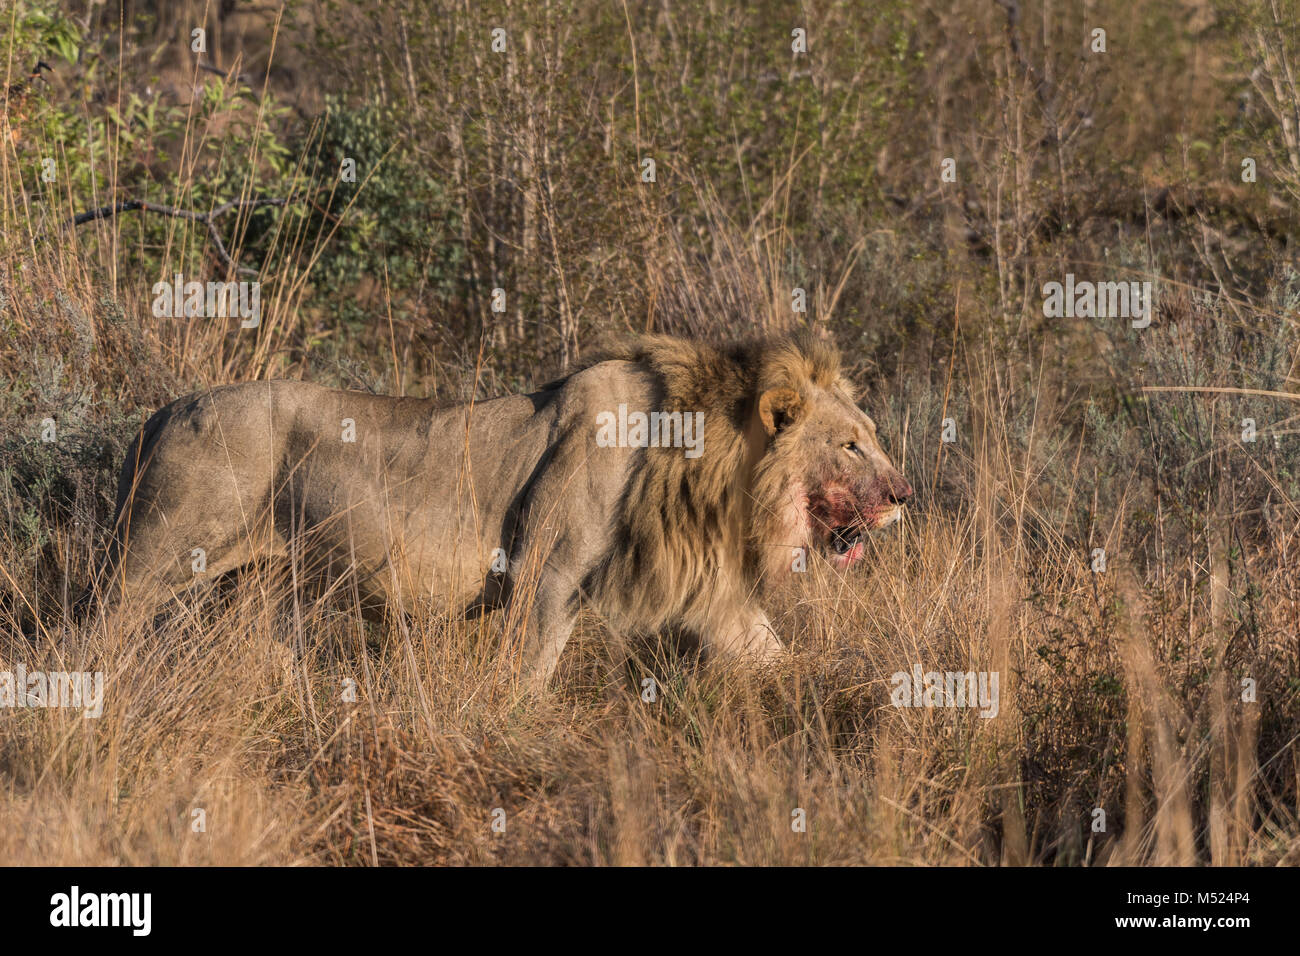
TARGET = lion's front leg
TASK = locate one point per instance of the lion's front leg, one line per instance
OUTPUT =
(547, 624)
(744, 633)
(545, 591)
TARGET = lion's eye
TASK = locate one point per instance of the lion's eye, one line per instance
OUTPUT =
(852, 448)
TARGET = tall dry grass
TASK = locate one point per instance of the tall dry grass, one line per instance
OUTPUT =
(1120, 691)
(233, 703)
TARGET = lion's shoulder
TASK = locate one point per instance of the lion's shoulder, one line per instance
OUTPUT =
(603, 387)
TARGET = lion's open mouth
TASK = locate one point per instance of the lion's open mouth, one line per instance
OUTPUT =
(840, 517)
(845, 538)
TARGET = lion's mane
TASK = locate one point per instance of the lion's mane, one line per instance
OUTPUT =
(694, 532)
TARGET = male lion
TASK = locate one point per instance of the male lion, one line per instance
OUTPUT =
(536, 498)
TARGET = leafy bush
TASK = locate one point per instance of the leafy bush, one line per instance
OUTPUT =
(392, 226)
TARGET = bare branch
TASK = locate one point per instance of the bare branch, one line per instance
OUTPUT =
(207, 219)
(247, 79)
(1042, 89)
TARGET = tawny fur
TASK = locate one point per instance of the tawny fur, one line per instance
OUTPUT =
(424, 501)
(698, 538)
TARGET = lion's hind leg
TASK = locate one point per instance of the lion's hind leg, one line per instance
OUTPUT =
(155, 566)
(167, 543)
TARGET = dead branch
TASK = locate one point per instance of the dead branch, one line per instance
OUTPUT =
(207, 219)
(1042, 89)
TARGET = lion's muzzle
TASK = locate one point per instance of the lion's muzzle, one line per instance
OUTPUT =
(844, 511)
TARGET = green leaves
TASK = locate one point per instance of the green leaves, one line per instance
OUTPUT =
(50, 31)
(396, 223)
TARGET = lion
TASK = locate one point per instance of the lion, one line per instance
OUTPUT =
(666, 486)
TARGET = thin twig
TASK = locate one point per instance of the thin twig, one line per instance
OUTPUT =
(1042, 89)
(207, 219)
(1222, 390)
(244, 78)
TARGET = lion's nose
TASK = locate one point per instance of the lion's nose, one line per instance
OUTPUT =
(898, 491)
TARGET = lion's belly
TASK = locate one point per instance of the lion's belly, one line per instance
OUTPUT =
(413, 512)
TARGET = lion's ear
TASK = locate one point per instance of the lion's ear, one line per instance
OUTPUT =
(778, 407)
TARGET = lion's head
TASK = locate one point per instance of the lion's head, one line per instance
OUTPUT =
(789, 462)
(821, 481)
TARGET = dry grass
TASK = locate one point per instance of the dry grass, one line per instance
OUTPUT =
(234, 703)
(1119, 691)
